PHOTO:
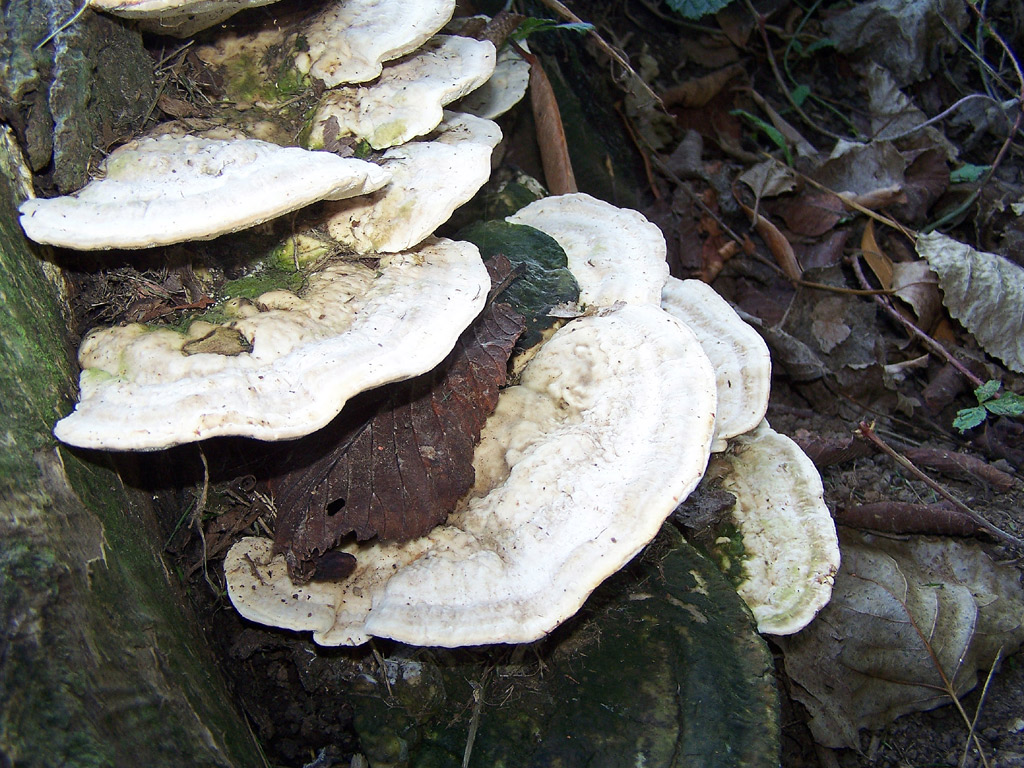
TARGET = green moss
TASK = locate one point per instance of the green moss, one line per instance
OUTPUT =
(102, 664)
(729, 553)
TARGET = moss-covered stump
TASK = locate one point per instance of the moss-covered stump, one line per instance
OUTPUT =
(663, 668)
(100, 661)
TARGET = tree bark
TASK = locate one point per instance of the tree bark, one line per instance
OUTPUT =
(101, 661)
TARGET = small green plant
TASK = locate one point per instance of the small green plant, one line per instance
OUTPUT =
(531, 25)
(1010, 404)
(769, 130)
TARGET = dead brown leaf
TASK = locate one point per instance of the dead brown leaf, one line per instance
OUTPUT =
(554, 150)
(397, 459)
(701, 90)
(880, 264)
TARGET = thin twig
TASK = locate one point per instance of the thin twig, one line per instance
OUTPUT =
(960, 209)
(867, 431)
(62, 27)
(927, 340)
(474, 723)
(977, 711)
(565, 13)
(781, 82)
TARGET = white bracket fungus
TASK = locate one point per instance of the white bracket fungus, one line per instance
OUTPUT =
(576, 471)
(353, 328)
(429, 180)
(791, 552)
(409, 97)
(349, 40)
(503, 90)
(158, 191)
(743, 365)
(615, 254)
(180, 18)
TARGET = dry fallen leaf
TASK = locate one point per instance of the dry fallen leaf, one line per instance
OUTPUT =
(867, 658)
(879, 262)
(396, 460)
(554, 150)
(984, 291)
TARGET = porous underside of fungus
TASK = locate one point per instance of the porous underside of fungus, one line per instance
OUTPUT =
(429, 180)
(169, 189)
(576, 471)
(409, 97)
(743, 365)
(348, 41)
(790, 549)
(176, 17)
(297, 361)
(614, 253)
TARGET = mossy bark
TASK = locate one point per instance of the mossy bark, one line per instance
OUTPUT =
(101, 663)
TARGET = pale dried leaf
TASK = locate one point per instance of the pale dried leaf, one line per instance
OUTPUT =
(769, 179)
(865, 660)
(984, 291)
(916, 284)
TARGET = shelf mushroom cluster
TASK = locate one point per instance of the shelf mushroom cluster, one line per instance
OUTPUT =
(609, 428)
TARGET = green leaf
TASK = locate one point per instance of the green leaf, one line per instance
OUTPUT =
(800, 94)
(545, 279)
(968, 173)
(769, 130)
(532, 25)
(817, 45)
(969, 418)
(694, 9)
(987, 390)
(1010, 404)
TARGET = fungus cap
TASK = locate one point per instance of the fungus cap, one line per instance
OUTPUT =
(409, 97)
(168, 189)
(791, 551)
(352, 328)
(348, 41)
(176, 17)
(576, 471)
(743, 365)
(429, 180)
(615, 253)
(504, 88)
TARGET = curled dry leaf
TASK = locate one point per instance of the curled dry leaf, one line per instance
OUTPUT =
(554, 150)
(777, 243)
(879, 262)
(868, 658)
(984, 291)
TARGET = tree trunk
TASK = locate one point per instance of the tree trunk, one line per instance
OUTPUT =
(101, 661)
